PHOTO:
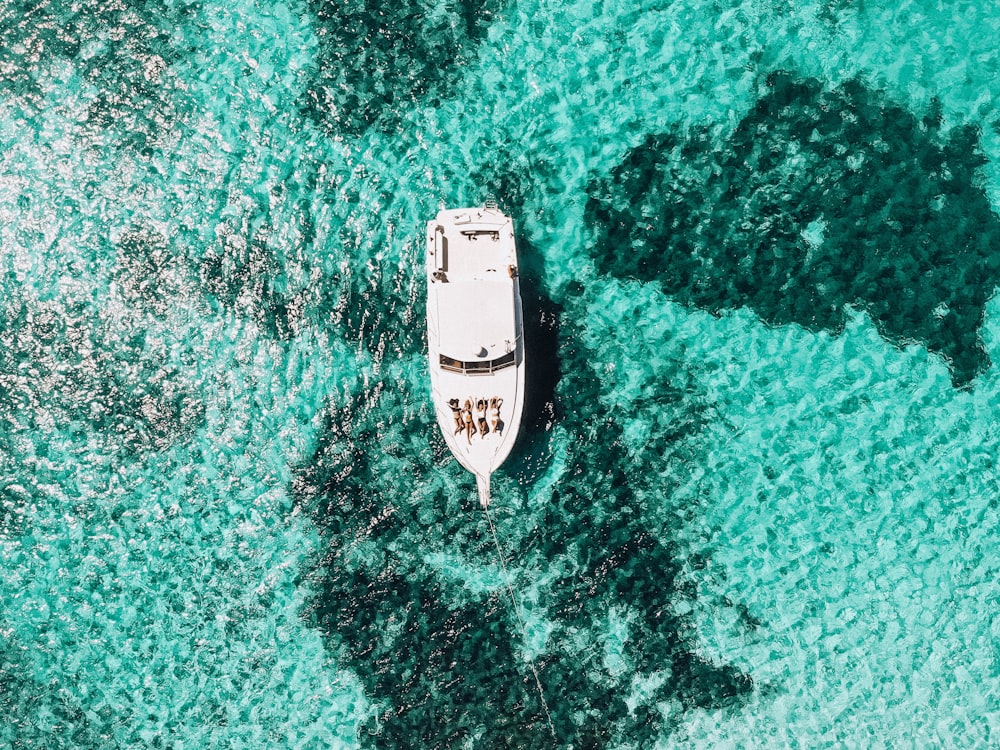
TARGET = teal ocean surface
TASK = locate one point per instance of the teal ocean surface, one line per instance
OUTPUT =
(755, 501)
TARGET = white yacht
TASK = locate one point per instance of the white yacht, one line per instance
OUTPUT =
(474, 336)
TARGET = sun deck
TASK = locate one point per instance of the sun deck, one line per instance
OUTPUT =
(476, 319)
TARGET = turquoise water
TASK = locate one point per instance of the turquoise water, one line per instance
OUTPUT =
(755, 500)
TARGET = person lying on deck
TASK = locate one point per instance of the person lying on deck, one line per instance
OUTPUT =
(495, 404)
(481, 411)
(456, 412)
(470, 427)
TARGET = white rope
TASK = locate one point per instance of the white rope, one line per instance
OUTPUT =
(520, 620)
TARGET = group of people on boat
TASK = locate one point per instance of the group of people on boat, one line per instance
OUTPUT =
(477, 416)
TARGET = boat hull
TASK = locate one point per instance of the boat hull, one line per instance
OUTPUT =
(475, 337)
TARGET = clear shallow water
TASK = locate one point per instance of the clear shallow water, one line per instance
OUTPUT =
(755, 501)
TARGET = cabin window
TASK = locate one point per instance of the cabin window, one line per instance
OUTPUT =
(478, 368)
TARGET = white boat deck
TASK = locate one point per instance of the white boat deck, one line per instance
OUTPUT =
(474, 336)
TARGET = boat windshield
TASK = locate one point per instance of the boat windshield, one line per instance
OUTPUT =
(478, 368)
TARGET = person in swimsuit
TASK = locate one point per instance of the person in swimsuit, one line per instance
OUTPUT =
(481, 413)
(470, 426)
(495, 403)
(456, 412)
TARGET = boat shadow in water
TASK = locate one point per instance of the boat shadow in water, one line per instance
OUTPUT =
(542, 316)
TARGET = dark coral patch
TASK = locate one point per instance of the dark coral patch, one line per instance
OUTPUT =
(250, 277)
(378, 59)
(62, 366)
(440, 664)
(151, 273)
(123, 51)
(378, 305)
(443, 662)
(44, 714)
(625, 560)
(818, 200)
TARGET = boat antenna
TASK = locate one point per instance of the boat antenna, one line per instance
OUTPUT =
(520, 620)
